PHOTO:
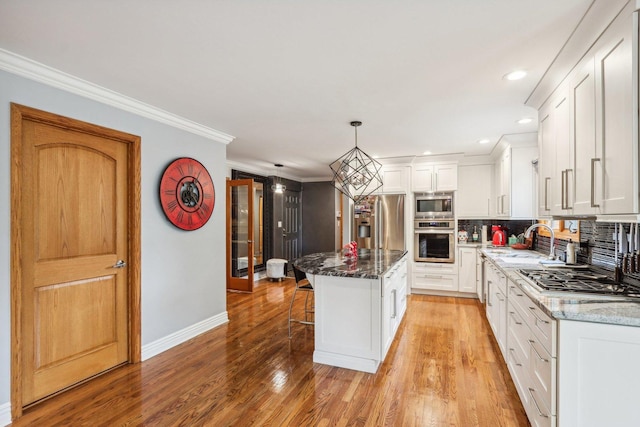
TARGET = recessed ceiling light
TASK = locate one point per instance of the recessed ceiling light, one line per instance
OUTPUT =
(515, 75)
(483, 141)
(426, 153)
(525, 120)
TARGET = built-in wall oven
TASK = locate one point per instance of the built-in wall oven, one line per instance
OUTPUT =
(434, 240)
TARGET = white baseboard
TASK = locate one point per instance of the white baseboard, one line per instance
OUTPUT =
(345, 361)
(164, 344)
(5, 414)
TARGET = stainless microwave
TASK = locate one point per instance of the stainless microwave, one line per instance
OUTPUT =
(433, 205)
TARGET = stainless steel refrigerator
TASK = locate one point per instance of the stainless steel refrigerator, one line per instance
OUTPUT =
(379, 222)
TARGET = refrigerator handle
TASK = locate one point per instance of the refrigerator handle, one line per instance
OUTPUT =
(379, 223)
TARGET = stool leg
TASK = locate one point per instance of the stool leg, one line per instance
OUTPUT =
(293, 297)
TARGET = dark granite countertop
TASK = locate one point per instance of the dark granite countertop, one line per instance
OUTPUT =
(370, 264)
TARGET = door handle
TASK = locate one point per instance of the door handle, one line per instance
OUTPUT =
(593, 183)
(119, 264)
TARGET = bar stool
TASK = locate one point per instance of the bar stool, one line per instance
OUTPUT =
(302, 284)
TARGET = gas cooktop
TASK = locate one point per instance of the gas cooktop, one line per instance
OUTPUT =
(583, 282)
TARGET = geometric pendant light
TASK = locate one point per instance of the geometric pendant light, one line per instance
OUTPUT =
(355, 173)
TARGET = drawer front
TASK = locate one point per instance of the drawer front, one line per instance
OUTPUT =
(519, 371)
(432, 281)
(539, 415)
(519, 334)
(544, 329)
(521, 302)
(434, 268)
(541, 371)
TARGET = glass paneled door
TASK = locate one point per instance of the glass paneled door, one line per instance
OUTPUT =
(240, 231)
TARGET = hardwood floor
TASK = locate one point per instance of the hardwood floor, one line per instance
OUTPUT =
(443, 369)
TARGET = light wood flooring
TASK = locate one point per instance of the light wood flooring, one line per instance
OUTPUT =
(443, 369)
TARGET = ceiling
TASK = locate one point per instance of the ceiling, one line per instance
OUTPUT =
(285, 77)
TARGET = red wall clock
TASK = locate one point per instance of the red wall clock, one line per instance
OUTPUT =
(187, 194)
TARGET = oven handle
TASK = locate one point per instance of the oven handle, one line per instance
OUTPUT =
(447, 231)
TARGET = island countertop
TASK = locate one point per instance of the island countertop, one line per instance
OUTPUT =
(370, 263)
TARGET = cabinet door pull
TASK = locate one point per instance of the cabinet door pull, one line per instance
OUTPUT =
(536, 351)
(395, 303)
(593, 182)
(562, 192)
(513, 316)
(546, 193)
(513, 356)
(498, 295)
(566, 191)
(533, 311)
(514, 291)
(540, 413)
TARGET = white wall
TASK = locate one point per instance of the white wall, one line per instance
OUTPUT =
(183, 273)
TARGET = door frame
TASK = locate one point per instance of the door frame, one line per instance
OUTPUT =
(18, 114)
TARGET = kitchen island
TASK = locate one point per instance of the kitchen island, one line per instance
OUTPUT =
(359, 304)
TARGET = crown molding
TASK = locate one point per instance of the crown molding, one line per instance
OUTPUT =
(25, 67)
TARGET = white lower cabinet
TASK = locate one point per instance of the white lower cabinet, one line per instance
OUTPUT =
(532, 356)
(435, 276)
(467, 270)
(598, 375)
(394, 303)
(497, 305)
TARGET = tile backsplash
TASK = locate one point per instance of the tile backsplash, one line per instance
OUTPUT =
(512, 226)
(597, 246)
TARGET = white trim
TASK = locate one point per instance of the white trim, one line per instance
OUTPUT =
(5, 414)
(25, 67)
(346, 361)
(164, 344)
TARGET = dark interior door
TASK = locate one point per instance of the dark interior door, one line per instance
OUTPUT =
(291, 230)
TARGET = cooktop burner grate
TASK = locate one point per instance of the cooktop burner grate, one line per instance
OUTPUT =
(579, 282)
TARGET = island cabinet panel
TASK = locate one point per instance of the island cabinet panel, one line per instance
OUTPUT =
(598, 375)
(347, 312)
(357, 318)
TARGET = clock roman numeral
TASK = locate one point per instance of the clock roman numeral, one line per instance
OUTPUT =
(179, 168)
(172, 205)
(180, 216)
(190, 168)
(170, 192)
(208, 196)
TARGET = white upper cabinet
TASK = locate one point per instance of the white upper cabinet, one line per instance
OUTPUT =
(586, 179)
(474, 194)
(588, 131)
(514, 183)
(435, 177)
(616, 122)
(395, 179)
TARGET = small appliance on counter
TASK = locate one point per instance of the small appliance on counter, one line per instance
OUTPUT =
(499, 235)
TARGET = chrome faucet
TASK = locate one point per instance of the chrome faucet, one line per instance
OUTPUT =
(527, 234)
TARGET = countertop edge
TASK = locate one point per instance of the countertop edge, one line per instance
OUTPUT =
(389, 259)
(573, 307)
